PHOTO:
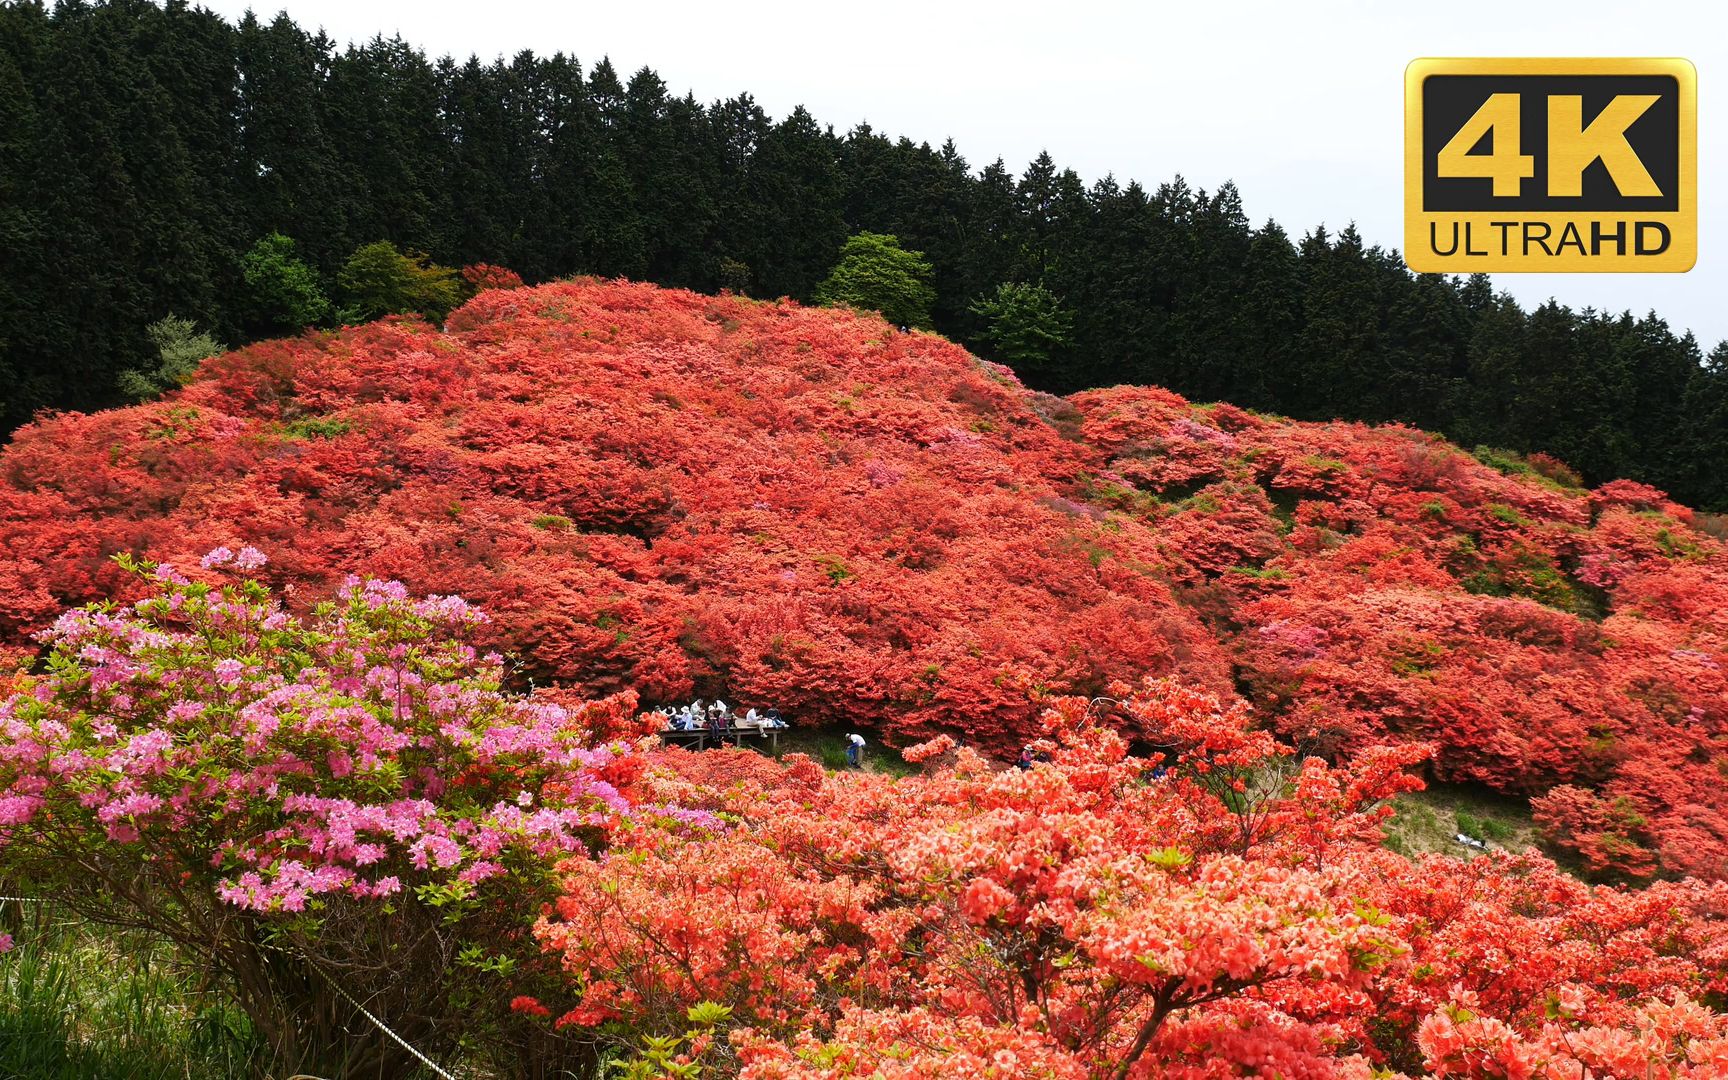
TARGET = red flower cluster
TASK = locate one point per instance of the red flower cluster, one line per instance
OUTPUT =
(482, 276)
(1092, 918)
(655, 490)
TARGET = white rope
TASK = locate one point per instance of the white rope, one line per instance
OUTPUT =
(338, 987)
(379, 1024)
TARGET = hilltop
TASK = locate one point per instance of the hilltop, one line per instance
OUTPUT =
(675, 493)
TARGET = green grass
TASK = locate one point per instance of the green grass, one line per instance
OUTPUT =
(79, 1002)
(316, 427)
(828, 746)
(1430, 821)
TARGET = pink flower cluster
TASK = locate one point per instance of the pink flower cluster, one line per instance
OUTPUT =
(249, 558)
(1190, 430)
(355, 752)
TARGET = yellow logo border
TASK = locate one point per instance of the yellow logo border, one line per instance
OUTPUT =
(1682, 252)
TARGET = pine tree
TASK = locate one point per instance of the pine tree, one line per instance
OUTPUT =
(613, 238)
(1207, 340)
(383, 119)
(796, 184)
(1271, 319)
(738, 129)
(288, 173)
(554, 230)
(118, 201)
(31, 333)
(486, 164)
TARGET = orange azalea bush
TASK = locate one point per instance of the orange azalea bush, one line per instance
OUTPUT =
(1102, 915)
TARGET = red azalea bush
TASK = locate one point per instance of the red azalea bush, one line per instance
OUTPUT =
(680, 494)
(645, 489)
(1679, 1040)
(1102, 916)
(340, 804)
(483, 276)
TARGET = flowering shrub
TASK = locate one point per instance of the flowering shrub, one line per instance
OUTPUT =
(1100, 915)
(1679, 1040)
(345, 799)
(682, 495)
(929, 750)
(481, 276)
(345, 806)
(1075, 912)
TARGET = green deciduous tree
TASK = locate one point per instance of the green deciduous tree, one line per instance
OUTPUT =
(877, 274)
(1027, 323)
(284, 292)
(379, 280)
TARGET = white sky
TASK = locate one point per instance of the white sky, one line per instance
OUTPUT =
(1301, 103)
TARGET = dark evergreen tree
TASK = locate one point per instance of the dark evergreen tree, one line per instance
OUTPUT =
(487, 162)
(613, 233)
(383, 116)
(795, 182)
(289, 176)
(738, 129)
(1207, 338)
(31, 332)
(145, 150)
(1270, 320)
(1698, 441)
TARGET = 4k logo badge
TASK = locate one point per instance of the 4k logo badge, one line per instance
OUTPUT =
(1550, 165)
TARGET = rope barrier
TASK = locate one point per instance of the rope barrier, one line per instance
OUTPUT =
(338, 987)
(379, 1024)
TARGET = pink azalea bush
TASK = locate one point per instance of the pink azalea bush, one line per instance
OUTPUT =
(346, 798)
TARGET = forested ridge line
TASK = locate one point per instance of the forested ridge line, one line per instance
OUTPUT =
(144, 150)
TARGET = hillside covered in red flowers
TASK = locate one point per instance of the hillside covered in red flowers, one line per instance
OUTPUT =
(675, 493)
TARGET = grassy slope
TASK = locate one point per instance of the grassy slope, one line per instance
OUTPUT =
(1430, 820)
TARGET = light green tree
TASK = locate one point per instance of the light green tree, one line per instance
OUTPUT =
(1026, 323)
(877, 274)
(180, 348)
(379, 280)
